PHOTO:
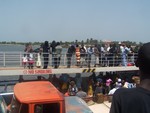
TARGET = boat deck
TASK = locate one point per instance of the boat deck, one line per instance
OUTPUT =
(10, 71)
(100, 108)
(11, 63)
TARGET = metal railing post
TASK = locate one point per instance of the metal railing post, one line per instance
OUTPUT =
(65, 59)
(4, 59)
(20, 58)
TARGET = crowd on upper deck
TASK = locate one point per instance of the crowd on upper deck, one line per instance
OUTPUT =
(107, 54)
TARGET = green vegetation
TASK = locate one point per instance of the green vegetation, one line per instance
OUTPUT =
(88, 41)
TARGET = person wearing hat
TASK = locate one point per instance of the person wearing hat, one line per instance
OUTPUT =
(108, 85)
(135, 100)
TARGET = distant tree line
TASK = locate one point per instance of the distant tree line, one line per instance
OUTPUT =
(88, 41)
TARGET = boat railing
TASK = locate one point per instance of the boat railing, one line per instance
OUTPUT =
(15, 59)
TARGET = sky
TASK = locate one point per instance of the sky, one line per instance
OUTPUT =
(70, 20)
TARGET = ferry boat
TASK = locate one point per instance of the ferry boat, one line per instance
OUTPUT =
(12, 65)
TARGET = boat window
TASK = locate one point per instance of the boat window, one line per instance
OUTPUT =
(47, 108)
(24, 108)
(15, 105)
(8, 98)
(38, 108)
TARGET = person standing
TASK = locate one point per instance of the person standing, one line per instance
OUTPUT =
(98, 89)
(96, 53)
(70, 52)
(81, 93)
(46, 54)
(72, 90)
(90, 51)
(30, 60)
(57, 55)
(28, 48)
(78, 80)
(53, 50)
(124, 51)
(103, 57)
(135, 100)
(82, 55)
(29, 55)
(77, 52)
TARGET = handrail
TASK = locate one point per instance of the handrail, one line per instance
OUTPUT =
(14, 59)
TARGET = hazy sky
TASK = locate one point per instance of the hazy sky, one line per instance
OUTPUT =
(70, 20)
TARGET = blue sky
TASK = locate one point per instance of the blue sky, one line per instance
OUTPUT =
(70, 20)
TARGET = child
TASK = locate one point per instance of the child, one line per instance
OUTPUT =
(30, 61)
(24, 60)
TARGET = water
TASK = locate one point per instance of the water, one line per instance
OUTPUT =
(14, 48)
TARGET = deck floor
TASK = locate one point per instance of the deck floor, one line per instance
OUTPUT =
(100, 108)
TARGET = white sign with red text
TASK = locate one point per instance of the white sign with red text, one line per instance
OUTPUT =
(37, 71)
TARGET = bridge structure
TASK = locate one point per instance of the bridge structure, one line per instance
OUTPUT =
(11, 65)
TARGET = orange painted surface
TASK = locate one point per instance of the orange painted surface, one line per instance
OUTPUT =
(37, 91)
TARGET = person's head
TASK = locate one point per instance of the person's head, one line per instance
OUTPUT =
(118, 85)
(79, 89)
(72, 83)
(119, 43)
(108, 82)
(119, 80)
(58, 43)
(136, 80)
(46, 43)
(143, 61)
(95, 45)
(97, 84)
(54, 76)
(77, 45)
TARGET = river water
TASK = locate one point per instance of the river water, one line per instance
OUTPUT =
(11, 47)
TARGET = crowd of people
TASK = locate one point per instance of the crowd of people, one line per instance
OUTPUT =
(96, 83)
(107, 54)
(45, 50)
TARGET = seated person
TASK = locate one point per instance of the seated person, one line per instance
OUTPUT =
(72, 90)
(81, 93)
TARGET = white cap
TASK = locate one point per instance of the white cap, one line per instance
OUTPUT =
(119, 43)
(119, 80)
